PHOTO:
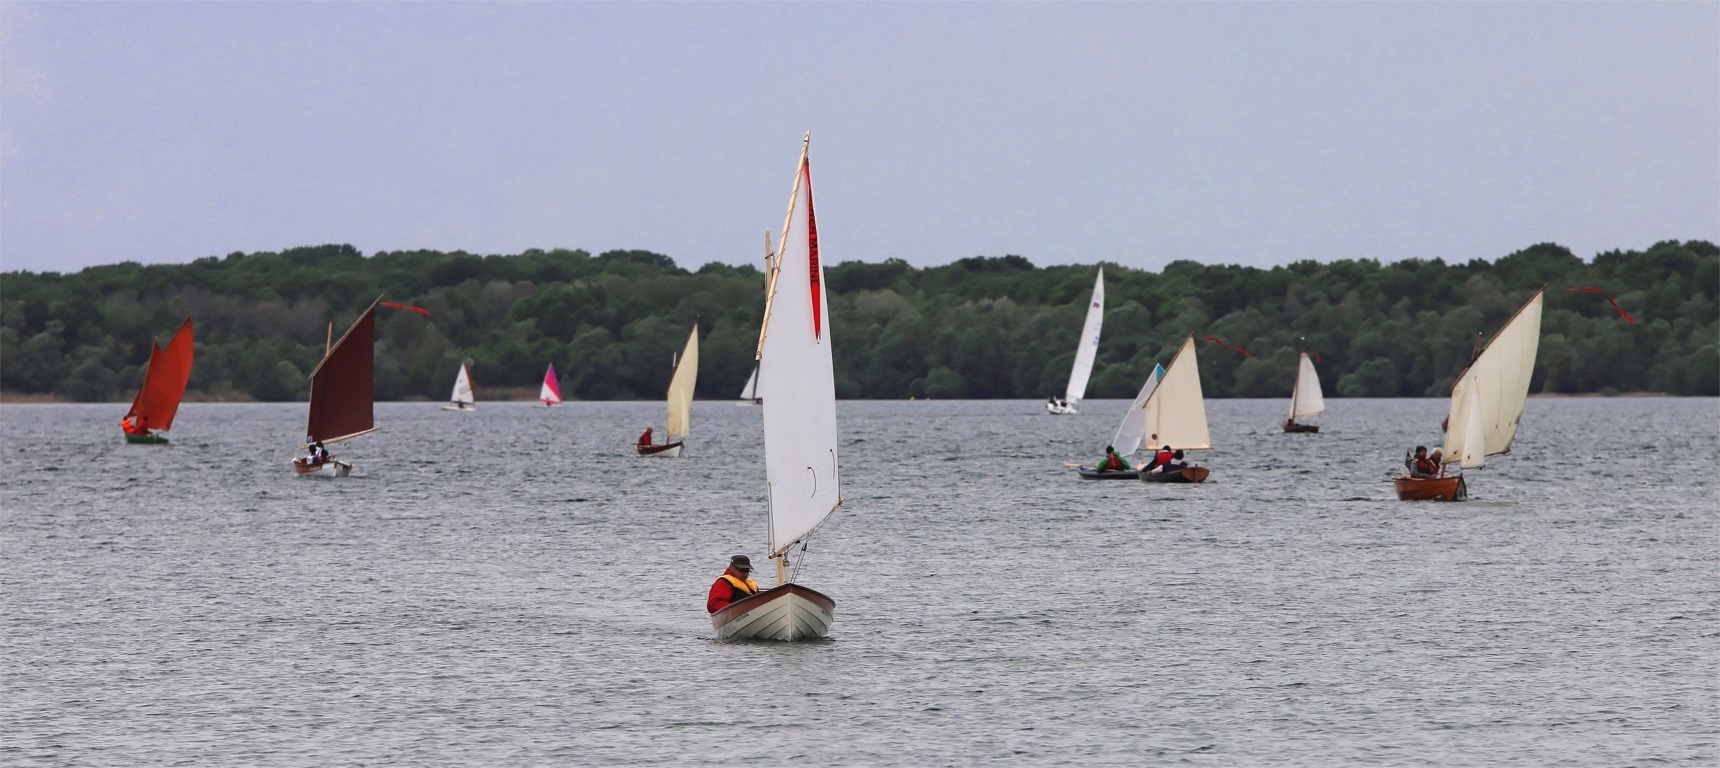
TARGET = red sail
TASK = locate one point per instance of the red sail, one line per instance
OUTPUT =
(164, 383)
(343, 385)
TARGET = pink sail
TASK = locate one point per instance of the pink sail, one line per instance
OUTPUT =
(550, 394)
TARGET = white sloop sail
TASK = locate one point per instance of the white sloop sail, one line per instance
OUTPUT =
(797, 380)
(1089, 347)
(1487, 400)
(1306, 400)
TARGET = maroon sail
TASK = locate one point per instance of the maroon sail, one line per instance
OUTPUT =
(343, 385)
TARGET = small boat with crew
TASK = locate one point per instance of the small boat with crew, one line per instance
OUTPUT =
(684, 375)
(157, 401)
(1130, 434)
(1085, 352)
(550, 393)
(1306, 400)
(1174, 416)
(462, 399)
(343, 397)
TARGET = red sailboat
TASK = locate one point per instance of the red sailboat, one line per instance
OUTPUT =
(343, 396)
(157, 401)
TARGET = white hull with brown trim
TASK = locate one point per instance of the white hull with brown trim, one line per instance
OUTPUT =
(330, 468)
(788, 612)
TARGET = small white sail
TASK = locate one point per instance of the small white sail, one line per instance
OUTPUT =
(1089, 347)
(463, 389)
(1487, 400)
(1133, 430)
(1176, 411)
(1306, 401)
(681, 389)
(749, 393)
(797, 380)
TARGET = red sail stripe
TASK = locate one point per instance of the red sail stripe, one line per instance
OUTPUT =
(1220, 342)
(812, 252)
(397, 305)
(1591, 289)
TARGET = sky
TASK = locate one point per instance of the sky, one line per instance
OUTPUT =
(1069, 133)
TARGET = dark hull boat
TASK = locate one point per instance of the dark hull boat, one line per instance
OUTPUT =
(1184, 475)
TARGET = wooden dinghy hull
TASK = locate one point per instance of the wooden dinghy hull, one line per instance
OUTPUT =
(1184, 475)
(668, 451)
(1431, 489)
(788, 612)
(1294, 428)
(1089, 473)
(330, 468)
(149, 439)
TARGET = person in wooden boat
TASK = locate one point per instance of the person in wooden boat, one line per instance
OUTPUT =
(135, 425)
(1423, 467)
(1175, 463)
(1113, 462)
(645, 439)
(1159, 460)
(732, 586)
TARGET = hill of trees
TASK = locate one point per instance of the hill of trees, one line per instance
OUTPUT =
(976, 328)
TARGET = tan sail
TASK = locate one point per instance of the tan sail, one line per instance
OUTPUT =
(1487, 400)
(1176, 410)
(681, 388)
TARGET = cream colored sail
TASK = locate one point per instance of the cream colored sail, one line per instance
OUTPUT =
(1306, 400)
(1176, 410)
(797, 380)
(1487, 400)
(681, 388)
(1089, 347)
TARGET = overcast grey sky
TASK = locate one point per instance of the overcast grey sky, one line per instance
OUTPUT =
(1139, 133)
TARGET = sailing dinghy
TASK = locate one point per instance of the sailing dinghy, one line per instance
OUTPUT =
(1084, 353)
(343, 391)
(749, 393)
(462, 399)
(157, 401)
(798, 382)
(1130, 433)
(1486, 405)
(550, 392)
(1174, 416)
(1306, 401)
(680, 397)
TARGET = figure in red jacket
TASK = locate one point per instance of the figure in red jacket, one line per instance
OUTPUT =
(732, 585)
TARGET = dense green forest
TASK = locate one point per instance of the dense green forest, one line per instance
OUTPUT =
(976, 328)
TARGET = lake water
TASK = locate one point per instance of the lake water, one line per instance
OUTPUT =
(514, 587)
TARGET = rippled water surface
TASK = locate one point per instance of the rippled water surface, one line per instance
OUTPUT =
(512, 586)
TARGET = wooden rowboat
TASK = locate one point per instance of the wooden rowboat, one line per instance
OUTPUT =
(786, 612)
(1293, 427)
(1431, 489)
(666, 450)
(330, 468)
(1090, 473)
(1184, 475)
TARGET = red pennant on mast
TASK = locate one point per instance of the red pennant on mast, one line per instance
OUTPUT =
(398, 305)
(1603, 294)
(1220, 342)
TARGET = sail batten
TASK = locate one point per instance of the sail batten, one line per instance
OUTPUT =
(681, 385)
(157, 401)
(1487, 400)
(1088, 349)
(1307, 400)
(1175, 411)
(796, 379)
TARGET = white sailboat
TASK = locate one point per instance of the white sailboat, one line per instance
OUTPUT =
(1130, 432)
(798, 381)
(462, 399)
(749, 393)
(1084, 353)
(1306, 400)
(1486, 405)
(1174, 416)
(680, 397)
(550, 392)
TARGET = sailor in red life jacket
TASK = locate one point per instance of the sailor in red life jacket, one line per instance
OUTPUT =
(732, 585)
(645, 439)
(1160, 460)
(1423, 467)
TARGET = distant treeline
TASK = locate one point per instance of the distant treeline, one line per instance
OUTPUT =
(976, 328)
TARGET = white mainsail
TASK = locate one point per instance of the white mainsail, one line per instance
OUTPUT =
(681, 388)
(1306, 400)
(1175, 411)
(1089, 348)
(1133, 430)
(797, 380)
(463, 388)
(1487, 400)
(749, 393)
